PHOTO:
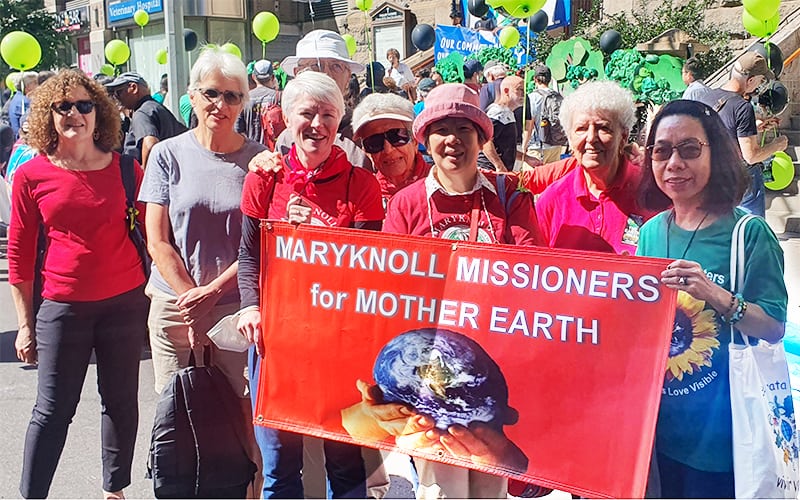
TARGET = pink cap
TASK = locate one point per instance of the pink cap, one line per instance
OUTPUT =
(452, 100)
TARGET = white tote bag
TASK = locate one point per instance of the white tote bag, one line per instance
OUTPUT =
(765, 443)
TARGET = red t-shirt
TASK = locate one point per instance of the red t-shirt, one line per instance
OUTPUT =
(571, 217)
(410, 211)
(339, 194)
(89, 255)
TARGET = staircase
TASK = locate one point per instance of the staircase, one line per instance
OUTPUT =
(783, 208)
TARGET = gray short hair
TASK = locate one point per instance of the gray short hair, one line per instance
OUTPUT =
(213, 59)
(599, 95)
(318, 87)
(380, 105)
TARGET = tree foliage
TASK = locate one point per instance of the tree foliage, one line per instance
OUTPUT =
(29, 16)
(645, 23)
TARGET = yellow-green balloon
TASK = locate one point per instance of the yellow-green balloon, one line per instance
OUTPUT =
(757, 27)
(782, 172)
(117, 52)
(20, 50)
(266, 26)
(364, 5)
(161, 56)
(107, 69)
(10, 83)
(350, 41)
(231, 48)
(762, 9)
(141, 17)
(509, 37)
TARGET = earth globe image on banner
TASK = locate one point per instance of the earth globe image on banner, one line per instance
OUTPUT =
(443, 375)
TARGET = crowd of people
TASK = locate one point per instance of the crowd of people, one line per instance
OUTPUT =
(408, 154)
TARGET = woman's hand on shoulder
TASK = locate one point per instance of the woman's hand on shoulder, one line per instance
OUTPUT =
(266, 162)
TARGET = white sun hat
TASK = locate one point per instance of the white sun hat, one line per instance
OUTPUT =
(321, 44)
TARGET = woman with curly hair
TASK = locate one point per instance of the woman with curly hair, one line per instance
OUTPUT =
(92, 278)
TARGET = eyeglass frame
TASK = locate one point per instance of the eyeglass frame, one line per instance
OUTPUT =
(677, 147)
(319, 65)
(222, 95)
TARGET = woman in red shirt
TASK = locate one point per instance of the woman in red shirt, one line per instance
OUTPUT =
(92, 278)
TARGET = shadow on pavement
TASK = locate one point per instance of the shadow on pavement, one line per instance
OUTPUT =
(8, 354)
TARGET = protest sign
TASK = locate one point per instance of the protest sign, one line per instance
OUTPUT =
(553, 360)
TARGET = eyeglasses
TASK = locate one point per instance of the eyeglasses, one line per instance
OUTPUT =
(63, 108)
(687, 150)
(230, 97)
(320, 66)
(396, 137)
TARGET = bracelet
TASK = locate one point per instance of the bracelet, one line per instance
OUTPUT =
(740, 310)
(730, 309)
(738, 314)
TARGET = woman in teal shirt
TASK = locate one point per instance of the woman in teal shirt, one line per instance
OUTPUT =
(694, 167)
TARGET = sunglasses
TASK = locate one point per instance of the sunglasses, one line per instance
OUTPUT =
(687, 150)
(230, 97)
(63, 108)
(396, 137)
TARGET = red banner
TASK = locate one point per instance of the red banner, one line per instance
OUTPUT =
(541, 365)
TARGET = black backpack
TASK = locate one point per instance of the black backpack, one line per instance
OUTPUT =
(549, 124)
(198, 449)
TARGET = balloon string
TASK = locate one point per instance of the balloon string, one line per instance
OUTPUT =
(263, 49)
(371, 55)
(525, 90)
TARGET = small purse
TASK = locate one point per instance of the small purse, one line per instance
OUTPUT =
(765, 443)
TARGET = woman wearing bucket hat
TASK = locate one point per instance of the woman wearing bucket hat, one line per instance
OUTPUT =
(457, 201)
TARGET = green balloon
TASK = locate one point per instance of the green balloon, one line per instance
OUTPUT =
(762, 9)
(350, 41)
(20, 50)
(266, 26)
(231, 48)
(161, 56)
(141, 17)
(117, 52)
(509, 37)
(107, 69)
(10, 82)
(757, 27)
(364, 5)
(782, 172)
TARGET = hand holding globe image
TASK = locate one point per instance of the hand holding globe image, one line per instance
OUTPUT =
(437, 392)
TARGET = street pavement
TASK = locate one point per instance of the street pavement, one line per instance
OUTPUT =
(78, 473)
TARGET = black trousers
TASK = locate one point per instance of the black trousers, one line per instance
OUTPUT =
(66, 335)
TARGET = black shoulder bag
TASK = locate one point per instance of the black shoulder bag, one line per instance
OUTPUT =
(135, 232)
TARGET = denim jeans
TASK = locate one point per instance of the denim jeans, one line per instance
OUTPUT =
(66, 335)
(282, 456)
(753, 201)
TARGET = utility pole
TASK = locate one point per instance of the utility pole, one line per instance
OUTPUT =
(178, 74)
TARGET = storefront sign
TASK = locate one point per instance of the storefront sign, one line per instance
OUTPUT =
(72, 19)
(119, 11)
(537, 364)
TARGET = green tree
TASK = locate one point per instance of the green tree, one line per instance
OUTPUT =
(29, 16)
(644, 24)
